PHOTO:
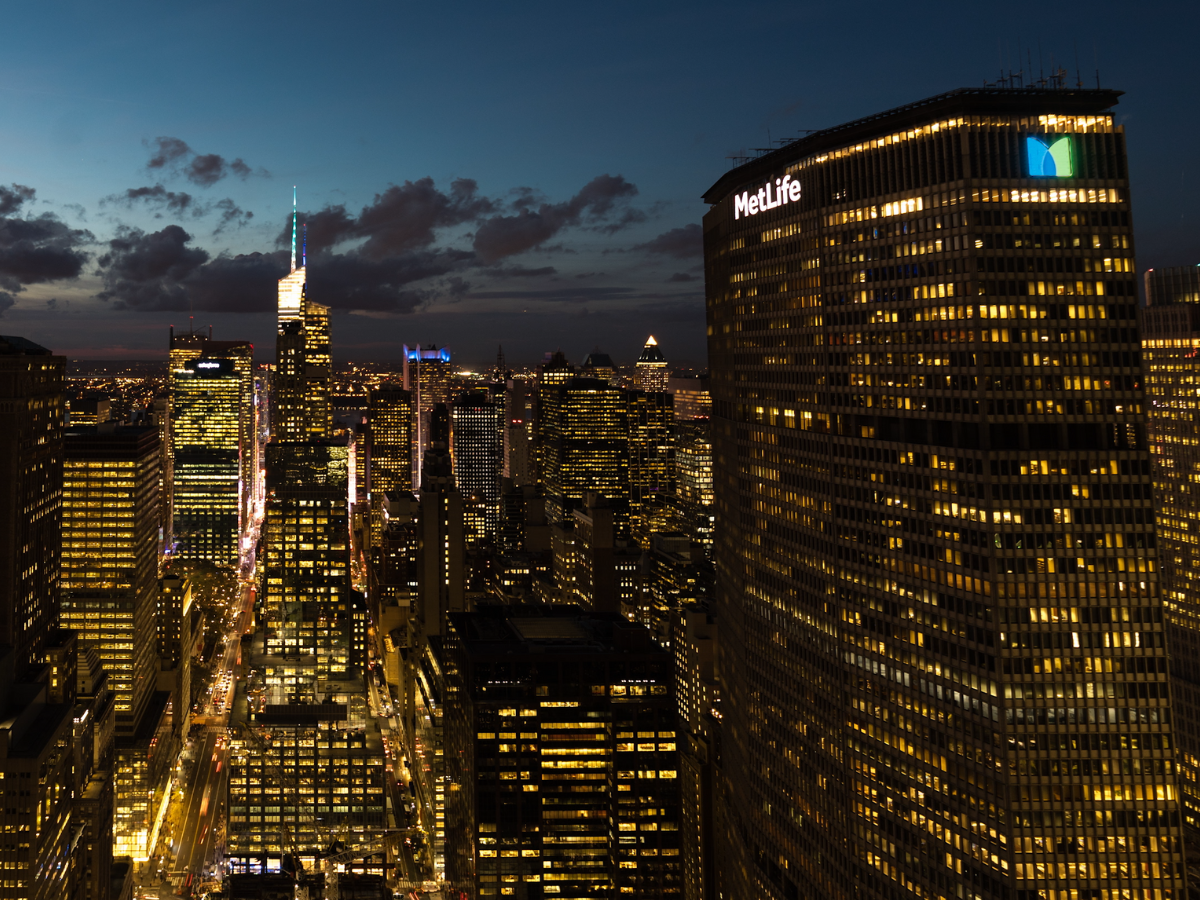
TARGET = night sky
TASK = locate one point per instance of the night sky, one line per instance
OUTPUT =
(479, 173)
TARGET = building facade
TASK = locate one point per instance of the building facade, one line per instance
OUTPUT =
(1170, 339)
(562, 761)
(389, 449)
(110, 556)
(477, 452)
(206, 436)
(941, 659)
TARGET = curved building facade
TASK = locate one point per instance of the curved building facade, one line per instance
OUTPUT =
(942, 662)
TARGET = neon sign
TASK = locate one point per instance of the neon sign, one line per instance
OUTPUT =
(1050, 157)
(208, 365)
(748, 204)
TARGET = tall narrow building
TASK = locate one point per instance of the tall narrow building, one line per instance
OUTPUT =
(110, 556)
(427, 378)
(652, 470)
(389, 448)
(942, 657)
(303, 363)
(306, 566)
(477, 452)
(31, 429)
(586, 428)
(1170, 338)
(206, 434)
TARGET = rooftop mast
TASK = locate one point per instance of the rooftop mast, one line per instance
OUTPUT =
(293, 228)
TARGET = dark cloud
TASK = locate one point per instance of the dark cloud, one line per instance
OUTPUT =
(680, 277)
(594, 206)
(181, 203)
(205, 169)
(161, 271)
(678, 243)
(166, 151)
(401, 219)
(147, 271)
(11, 198)
(35, 249)
(566, 294)
(157, 195)
(521, 271)
(231, 214)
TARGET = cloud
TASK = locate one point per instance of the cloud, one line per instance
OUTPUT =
(171, 154)
(181, 202)
(162, 271)
(12, 198)
(594, 206)
(401, 219)
(167, 150)
(157, 195)
(680, 277)
(231, 214)
(678, 243)
(35, 249)
(521, 271)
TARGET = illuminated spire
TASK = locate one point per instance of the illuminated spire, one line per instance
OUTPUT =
(304, 248)
(293, 228)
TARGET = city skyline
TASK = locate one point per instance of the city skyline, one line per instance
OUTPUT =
(531, 237)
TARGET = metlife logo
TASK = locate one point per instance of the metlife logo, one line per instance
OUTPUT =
(748, 204)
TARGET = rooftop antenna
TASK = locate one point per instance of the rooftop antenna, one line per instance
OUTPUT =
(293, 228)
(1078, 76)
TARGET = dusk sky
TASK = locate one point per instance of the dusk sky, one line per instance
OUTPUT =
(476, 174)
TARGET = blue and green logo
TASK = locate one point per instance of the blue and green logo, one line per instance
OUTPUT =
(1049, 156)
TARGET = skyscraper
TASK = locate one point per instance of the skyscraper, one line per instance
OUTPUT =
(477, 452)
(562, 761)
(188, 348)
(31, 424)
(652, 470)
(303, 363)
(110, 556)
(942, 663)
(652, 373)
(206, 434)
(390, 421)
(427, 378)
(306, 569)
(585, 427)
(1170, 337)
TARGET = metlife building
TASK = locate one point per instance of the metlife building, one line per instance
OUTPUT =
(942, 659)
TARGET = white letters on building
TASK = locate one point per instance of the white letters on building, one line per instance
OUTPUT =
(783, 190)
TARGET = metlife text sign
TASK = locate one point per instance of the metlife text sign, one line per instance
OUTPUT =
(748, 204)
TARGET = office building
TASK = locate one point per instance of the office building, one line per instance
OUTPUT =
(942, 663)
(652, 467)
(300, 401)
(585, 427)
(651, 368)
(206, 435)
(37, 849)
(692, 397)
(477, 453)
(552, 372)
(89, 409)
(389, 448)
(694, 480)
(519, 412)
(599, 365)
(187, 349)
(31, 423)
(1170, 337)
(427, 377)
(176, 637)
(305, 569)
(301, 776)
(562, 762)
(110, 554)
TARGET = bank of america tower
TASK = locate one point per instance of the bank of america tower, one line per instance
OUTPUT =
(942, 660)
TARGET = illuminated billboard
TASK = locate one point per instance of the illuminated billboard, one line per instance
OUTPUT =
(1050, 156)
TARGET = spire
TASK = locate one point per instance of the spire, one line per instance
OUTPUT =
(304, 248)
(293, 228)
